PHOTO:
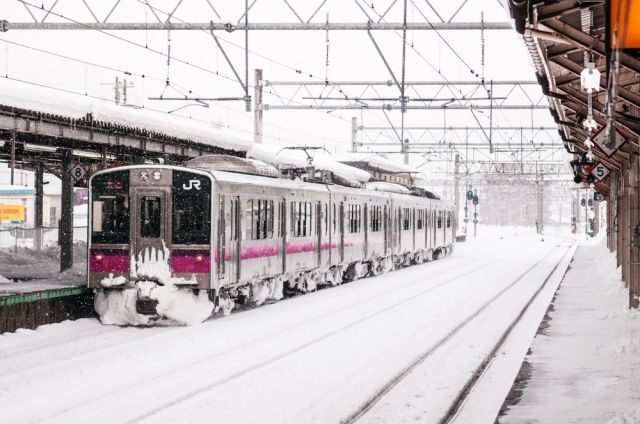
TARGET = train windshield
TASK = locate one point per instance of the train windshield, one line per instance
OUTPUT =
(110, 208)
(191, 218)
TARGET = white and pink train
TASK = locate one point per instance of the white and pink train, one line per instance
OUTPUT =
(249, 237)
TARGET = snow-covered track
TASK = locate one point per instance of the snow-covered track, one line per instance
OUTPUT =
(160, 385)
(384, 390)
(322, 354)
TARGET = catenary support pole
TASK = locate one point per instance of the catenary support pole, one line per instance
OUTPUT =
(39, 206)
(354, 134)
(257, 113)
(456, 194)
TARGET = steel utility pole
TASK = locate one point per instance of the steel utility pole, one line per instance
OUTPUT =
(257, 113)
(456, 191)
(354, 134)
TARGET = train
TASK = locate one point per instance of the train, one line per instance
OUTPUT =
(223, 230)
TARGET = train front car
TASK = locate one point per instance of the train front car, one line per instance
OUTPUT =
(150, 244)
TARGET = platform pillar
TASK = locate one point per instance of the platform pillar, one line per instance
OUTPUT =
(65, 235)
(39, 207)
(634, 245)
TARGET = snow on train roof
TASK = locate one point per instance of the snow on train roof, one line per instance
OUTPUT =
(275, 155)
(377, 161)
(238, 178)
(46, 100)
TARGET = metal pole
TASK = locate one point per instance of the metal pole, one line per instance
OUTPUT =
(257, 113)
(255, 26)
(39, 206)
(354, 134)
(456, 191)
(66, 220)
(247, 99)
(13, 150)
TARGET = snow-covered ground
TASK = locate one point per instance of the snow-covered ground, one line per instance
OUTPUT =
(584, 365)
(311, 359)
(25, 270)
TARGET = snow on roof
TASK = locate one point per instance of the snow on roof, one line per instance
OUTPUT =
(16, 189)
(385, 186)
(274, 155)
(377, 161)
(46, 100)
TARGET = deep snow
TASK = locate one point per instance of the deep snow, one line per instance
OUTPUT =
(312, 359)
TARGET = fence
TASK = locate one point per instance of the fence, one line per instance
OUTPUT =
(16, 237)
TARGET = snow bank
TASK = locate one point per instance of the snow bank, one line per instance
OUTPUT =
(4, 280)
(46, 100)
(274, 155)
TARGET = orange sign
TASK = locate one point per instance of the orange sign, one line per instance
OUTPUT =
(11, 213)
(625, 31)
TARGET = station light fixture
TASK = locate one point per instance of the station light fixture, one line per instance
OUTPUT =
(590, 78)
(590, 123)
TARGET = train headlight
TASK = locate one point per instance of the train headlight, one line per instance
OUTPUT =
(157, 175)
(199, 258)
(99, 257)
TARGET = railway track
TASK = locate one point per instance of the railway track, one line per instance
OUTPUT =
(105, 345)
(195, 366)
(475, 375)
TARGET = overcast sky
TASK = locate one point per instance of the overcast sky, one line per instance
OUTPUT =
(281, 54)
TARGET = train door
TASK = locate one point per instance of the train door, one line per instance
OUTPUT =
(221, 245)
(366, 230)
(341, 222)
(234, 242)
(399, 229)
(151, 223)
(435, 228)
(318, 241)
(386, 230)
(426, 228)
(282, 236)
(413, 229)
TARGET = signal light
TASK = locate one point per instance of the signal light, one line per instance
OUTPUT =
(99, 257)
(199, 258)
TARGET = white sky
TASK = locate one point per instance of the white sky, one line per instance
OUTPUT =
(352, 56)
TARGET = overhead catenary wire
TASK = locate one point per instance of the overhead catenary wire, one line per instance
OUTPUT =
(185, 62)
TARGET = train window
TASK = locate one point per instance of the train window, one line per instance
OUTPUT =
(355, 218)
(439, 219)
(301, 219)
(335, 215)
(259, 219)
(150, 217)
(406, 219)
(448, 219)
(191, 214)
(110, 208)
(420, 223)
(376, 219)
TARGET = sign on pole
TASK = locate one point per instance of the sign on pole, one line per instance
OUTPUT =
(600, 138)
(600, 172)
(78, 172)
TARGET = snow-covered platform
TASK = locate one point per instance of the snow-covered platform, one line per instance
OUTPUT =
(584, 364)
(33, 292)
